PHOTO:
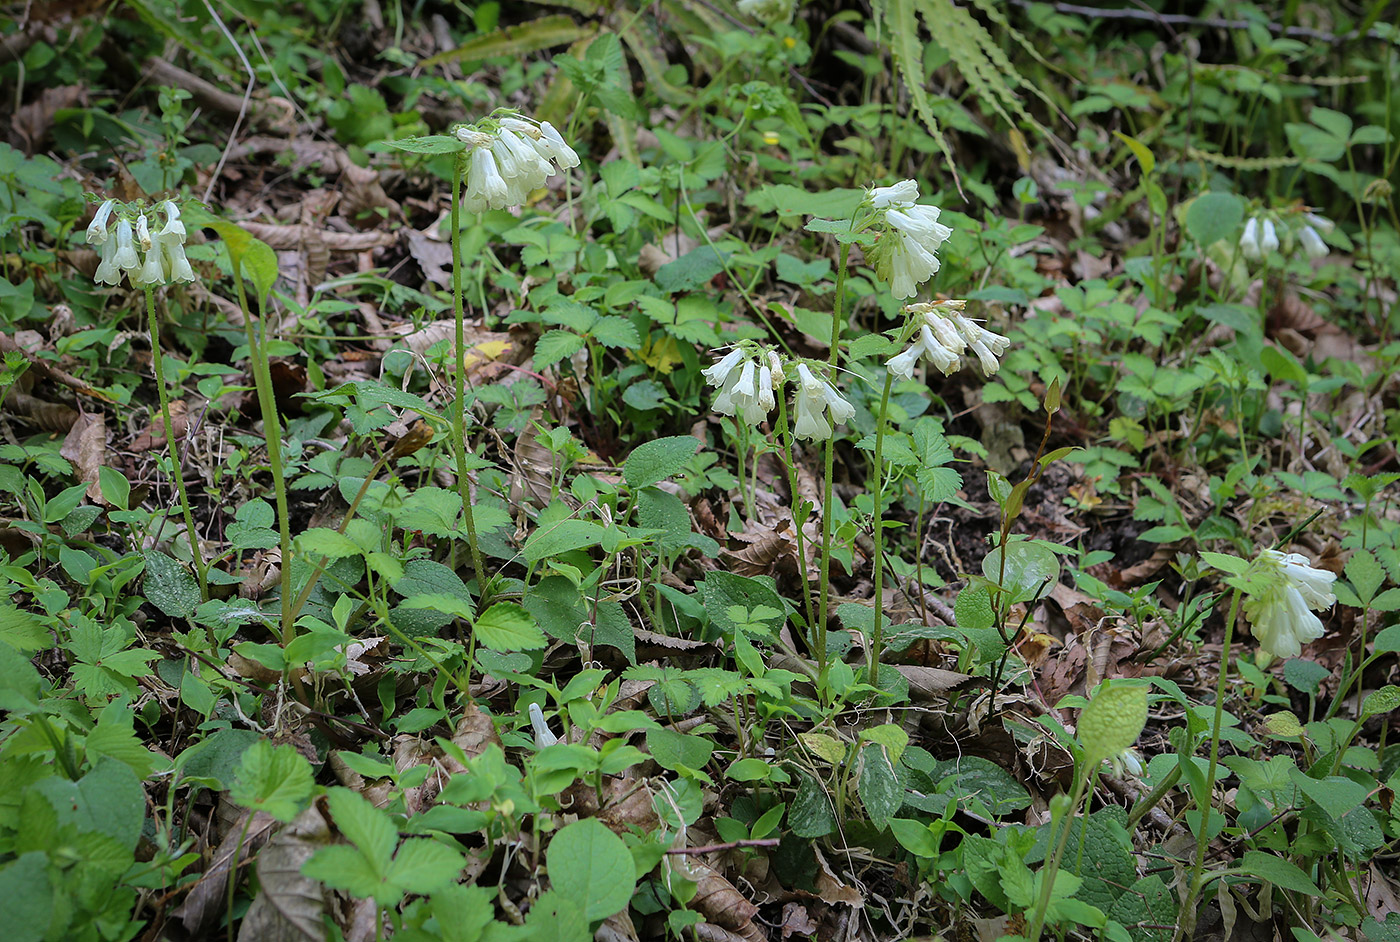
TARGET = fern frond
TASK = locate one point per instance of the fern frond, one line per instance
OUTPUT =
(908, 54)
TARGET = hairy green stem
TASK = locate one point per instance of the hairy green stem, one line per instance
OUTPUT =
(158, 364)
(877, 639)
(272, 435)
(1203, 839)
(459, 407)
(819, 629)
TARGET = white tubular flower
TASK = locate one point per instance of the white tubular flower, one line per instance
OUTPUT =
(563, 154)
(1126, 761)
(1249, 242)
(1320, 223)
(983, 342)
(744, 395)
(527, 161)
(775, 363)
(903, 192)
(174, 229)
(1268, 237)
(544, 738)
(485, 187)
(910, 265)
(719, 373)
(1312, 242)
(815, 396)
(921, 223)
(905, 253)
(107, 271)
(1281, 613)
(177, 266)
(126, 258)
(152, 273)
(938, 353)
(902, 364)
(143, 233)
(766, 399)
(97, 229)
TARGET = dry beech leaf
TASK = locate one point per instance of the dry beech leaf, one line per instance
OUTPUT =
(86, 449)
(718, 900)
(289, 907)
(796, 921)
(831, 889)
(207, 898)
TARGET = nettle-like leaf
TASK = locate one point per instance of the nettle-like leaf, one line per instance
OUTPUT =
(369, 867)
(275, 779)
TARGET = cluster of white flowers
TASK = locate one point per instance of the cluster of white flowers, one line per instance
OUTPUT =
(164, 262)
(1259, 238)
(1261, 235)
(1281, 609)
(750, 381)
(511, 156)
(906, 252)
(943, 333)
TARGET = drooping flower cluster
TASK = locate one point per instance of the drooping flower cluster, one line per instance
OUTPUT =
(1259, 238)
(750, 380)
(1263, 234)
(943, 332)
(510, 156)
(164, 259)
(1280, 609)
(906, 253)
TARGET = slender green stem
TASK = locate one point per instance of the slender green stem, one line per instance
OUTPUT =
(158, 364)
(837, 322)
(1203, 839)
(459, 407)
(790, 463)
(1052, 863)
(272, 435)
(877, 640)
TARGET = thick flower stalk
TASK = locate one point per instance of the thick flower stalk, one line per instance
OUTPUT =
(509, 157)
(1287, 591)
(815, 398)
(910, 236)
(942, 333)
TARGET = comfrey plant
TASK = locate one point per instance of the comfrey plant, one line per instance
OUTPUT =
(902, 238)
(1285, 232)
(502, 158)
(119, 229)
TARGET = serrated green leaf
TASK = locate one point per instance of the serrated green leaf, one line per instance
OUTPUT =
(556, 345)
(275, 779)
(508, 627)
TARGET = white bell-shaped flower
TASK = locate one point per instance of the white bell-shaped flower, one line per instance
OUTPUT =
(902, 364)
(485, 187)
(107, 271)
(174, 229)
(1320, 223)
(143, 233)
(564, 155)
(126, 258)
(1280, 609)
(1312, 242)
(1268, 237)
(1249, 240)
(718, 374)
(97, 229)
(983, 342)
(152, 273)
(937, 352)
(905, 192)
(816, 397)
(177, 266)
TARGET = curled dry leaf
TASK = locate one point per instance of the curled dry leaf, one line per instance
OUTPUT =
(289, 907)
(206, 898)
(85, 448)
(718, 900)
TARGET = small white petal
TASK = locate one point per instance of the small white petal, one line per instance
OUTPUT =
(717, 374)
(126, 258)
(1249, 241)
(902, 364)
(1268, 238)
(1312, 242)
(905, 191)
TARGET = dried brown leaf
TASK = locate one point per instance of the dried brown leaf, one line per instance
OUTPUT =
(86, 450)
(289, 906)
(206, 898)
